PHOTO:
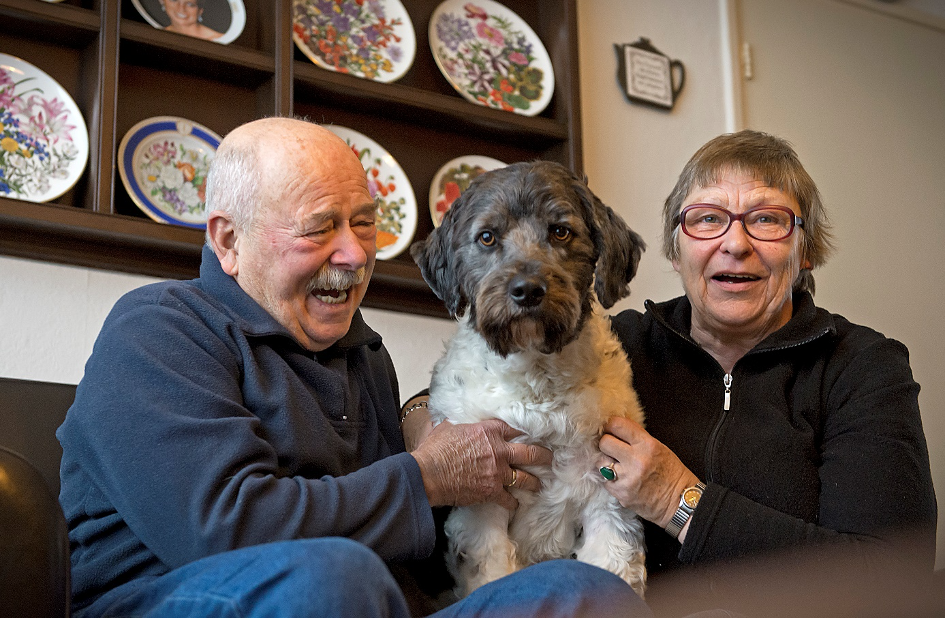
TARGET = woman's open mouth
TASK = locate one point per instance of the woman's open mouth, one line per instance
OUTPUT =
(732, 278)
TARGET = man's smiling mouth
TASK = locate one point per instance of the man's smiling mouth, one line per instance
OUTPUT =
(331, 297)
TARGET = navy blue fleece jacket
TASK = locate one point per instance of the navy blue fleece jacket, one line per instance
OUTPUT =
(202, 426)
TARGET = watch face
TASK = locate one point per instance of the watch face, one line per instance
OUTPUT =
(691, 497)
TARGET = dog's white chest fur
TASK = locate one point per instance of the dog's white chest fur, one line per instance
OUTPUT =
(559, 401)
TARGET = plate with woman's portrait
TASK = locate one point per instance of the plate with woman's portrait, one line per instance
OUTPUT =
(163, 162)
(453, 179)
(44, 142)
(389, 186)
(220, 21)
(371, 39)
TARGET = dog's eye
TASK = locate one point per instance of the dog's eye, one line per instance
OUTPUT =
(486, 238)
(560, 233)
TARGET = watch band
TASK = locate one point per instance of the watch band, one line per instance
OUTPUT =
(688, 502)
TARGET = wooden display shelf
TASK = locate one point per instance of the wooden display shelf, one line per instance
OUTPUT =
(121, 70)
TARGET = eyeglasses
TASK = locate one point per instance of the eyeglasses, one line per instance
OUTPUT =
(768, 223)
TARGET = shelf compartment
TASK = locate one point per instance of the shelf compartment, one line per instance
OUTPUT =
(120, 69)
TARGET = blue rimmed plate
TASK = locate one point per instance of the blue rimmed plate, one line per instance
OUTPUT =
(44, 143)
(163, 162)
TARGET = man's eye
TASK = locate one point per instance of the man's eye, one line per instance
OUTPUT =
(486, 239)
(560, 233)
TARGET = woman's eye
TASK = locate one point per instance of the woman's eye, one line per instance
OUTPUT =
(560, 233)
(486, 239)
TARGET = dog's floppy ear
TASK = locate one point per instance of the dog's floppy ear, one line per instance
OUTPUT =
(618, 247)
(435, 258)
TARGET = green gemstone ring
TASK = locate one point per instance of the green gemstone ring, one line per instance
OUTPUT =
(608, 473)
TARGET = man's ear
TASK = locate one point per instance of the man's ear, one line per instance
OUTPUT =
(224, 240)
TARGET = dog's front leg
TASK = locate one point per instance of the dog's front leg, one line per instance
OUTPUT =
(480, 550)
(613, 540)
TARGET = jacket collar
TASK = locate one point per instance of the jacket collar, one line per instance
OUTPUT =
(255, 321)
(807, 323)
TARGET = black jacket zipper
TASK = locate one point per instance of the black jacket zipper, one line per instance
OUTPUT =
(712, 444)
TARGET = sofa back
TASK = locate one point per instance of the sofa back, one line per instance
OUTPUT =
(30, 413)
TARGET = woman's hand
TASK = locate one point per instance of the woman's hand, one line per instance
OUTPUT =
(473, 463)
(650, 478)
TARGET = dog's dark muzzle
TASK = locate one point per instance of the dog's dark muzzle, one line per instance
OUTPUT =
(527, 291)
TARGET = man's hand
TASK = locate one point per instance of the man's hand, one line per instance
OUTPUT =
(472, 463)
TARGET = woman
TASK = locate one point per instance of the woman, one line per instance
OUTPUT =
(783, 426)
(783, 454)
(186, 18)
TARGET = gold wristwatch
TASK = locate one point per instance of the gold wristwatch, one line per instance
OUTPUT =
(687, 504)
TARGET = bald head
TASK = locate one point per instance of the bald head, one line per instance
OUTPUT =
(256, 162)
(293, 222)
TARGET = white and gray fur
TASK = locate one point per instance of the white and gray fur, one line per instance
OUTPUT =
(524, 259)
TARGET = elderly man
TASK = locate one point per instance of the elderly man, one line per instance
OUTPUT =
(234, 446)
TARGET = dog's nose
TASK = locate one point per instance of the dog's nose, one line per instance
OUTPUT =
(527, 291)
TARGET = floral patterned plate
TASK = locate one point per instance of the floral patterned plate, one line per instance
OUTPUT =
(163, 163)
(44, 143)
(453, 179)
(491, 56)
(372, 39)
(389, 186)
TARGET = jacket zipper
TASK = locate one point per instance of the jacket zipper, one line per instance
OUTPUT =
(727, 380)
(717, 430)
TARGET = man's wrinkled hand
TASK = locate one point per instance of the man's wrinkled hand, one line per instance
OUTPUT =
(473, 463)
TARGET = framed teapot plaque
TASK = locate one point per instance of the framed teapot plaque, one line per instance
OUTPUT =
(647, 75)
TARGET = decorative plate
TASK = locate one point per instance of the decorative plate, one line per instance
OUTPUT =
(491, 56)
(372, 39)
(163, 163)
(389, 186)
(220, 21)
(454, 178)
(44, 143)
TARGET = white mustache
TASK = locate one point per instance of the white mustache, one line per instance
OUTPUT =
(331, 278)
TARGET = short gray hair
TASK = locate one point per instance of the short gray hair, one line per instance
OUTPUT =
(773, 161)
(233, 182)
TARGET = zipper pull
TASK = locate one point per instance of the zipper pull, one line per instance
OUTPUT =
(727, 381)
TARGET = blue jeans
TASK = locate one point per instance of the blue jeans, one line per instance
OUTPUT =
(338, 577)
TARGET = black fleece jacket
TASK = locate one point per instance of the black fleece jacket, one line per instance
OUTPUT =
(822, 441)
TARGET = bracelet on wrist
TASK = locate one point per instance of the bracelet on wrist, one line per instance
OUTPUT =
(411, 408)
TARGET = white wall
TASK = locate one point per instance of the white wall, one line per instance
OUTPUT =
(862, 97)
(50, 314)
(633, 153)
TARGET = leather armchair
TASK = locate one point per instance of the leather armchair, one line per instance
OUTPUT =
(34, 543)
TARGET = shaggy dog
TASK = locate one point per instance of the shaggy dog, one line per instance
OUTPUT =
(524, 258)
